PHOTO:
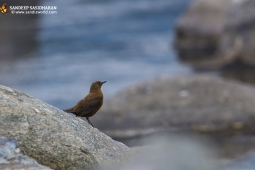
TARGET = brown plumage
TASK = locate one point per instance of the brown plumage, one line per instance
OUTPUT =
(88, 106)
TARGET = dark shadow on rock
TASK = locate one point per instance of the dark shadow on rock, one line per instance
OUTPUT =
(239, 71)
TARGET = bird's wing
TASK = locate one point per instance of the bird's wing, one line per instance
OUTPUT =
(90, 105)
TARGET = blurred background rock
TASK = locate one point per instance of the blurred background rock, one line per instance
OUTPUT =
(215, 35)
(174, 152)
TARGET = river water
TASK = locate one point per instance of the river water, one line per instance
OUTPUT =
(120, 41)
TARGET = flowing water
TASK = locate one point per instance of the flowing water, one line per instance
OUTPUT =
(120, 41)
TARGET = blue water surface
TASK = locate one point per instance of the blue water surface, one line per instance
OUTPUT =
(121, 41)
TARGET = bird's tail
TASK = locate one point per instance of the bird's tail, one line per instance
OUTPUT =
(69, 110)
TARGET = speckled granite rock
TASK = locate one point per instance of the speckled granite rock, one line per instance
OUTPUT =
(190, 103)
(53, 137)
(215, 33)
(12, 159)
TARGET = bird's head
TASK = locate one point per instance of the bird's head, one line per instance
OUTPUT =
(96, 86)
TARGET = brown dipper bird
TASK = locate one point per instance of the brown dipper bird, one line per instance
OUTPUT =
(88, 106)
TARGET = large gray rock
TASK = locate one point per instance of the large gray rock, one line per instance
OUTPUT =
(12, 159)
(214, 33)
(196, 103)
(54, 138)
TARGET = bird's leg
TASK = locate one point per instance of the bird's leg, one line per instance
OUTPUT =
(89, 121)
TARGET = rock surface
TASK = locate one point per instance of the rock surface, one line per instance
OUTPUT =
(54, 138)
(214, 33)
(198, 103)
(11, 158)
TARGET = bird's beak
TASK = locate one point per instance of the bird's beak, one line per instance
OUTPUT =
(104, 82)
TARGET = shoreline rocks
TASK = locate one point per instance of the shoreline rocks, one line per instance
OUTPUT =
(11, 157)
(199, 103)
(53, 137)
(214, 33)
